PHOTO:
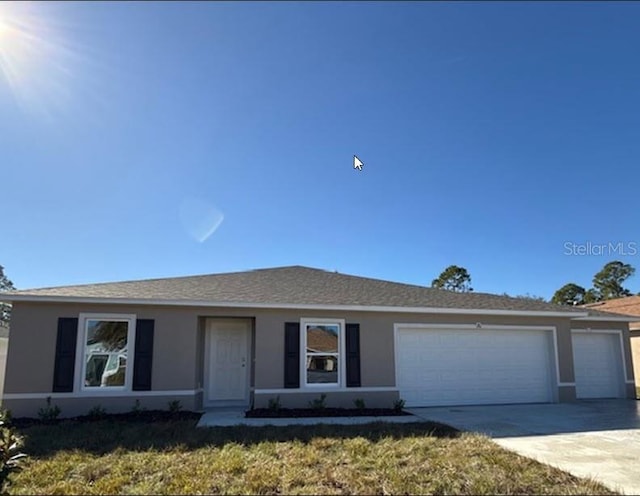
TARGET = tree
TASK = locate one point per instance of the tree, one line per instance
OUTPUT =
(113, 335)
(607, 283)
(569, 294)
(591, 296)
(453, 278)
(528, 296)
(5, 308)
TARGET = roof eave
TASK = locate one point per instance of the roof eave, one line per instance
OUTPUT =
(297, 306)
(613, 318)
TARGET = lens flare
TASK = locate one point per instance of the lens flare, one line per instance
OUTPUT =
(199, 218)
(37, 66)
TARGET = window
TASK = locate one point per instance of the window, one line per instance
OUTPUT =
(106, 342)
(322, 341)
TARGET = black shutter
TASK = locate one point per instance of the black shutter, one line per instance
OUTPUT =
(353, 354)
(143, 358)
(65, 360)
(292, 355)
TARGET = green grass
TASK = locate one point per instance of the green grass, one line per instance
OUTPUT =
(127, 457)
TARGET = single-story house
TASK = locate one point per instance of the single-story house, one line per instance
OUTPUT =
(295, 333)
(629, 305)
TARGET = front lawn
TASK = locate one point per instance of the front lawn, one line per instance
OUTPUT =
(115, 456)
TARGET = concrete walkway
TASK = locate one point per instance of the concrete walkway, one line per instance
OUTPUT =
(230, 417)
(597, 439)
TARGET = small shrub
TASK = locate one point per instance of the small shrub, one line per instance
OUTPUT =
(319, 403)
(398, 405)
(274, 404)
(136, 408)
(49, 413)
(97, 412)
(10, 456)
(175, 406)
(359, 403)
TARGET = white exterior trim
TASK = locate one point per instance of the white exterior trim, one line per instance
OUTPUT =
(342, 367)
(341, 308)
(613, 318)
(622, 354)
(111, 394)
(327, 390)
(480, 327)
(80, 367)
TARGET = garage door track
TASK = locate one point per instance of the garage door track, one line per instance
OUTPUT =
(597, 439)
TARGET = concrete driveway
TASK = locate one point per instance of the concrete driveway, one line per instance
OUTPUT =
(597, 439)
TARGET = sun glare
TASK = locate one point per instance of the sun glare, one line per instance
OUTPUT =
(12, 37)
(4, 30)
(35, 65)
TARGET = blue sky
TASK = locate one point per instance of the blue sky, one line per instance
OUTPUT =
(492, 134)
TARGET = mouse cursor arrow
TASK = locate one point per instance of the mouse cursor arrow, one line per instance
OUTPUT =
(357, 163)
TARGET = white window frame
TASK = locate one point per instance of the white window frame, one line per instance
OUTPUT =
(306, 321)
(81, 351)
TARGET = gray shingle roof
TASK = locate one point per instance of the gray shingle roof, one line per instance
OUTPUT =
(294, 285)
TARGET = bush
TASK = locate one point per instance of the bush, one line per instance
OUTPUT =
(175, 406)
(274, 404)
(398, 405)
(359, 403)
(318, 403)
(10, 456)
(49, 413)
(97, 412)
(136, 408)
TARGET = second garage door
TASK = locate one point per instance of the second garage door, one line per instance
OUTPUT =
(597, 364)
(437, 367)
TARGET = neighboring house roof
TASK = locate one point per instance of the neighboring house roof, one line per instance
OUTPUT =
(298, 287)
(320, 340)
(629, 305)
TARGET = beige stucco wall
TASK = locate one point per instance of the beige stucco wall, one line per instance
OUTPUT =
(179, 346)
(377, 340)
(31, 354)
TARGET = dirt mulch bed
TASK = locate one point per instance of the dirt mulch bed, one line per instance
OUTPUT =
(323, 412)
(142, 416)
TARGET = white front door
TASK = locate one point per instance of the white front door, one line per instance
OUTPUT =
(227, 361)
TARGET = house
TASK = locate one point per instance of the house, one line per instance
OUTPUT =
(629, 305)
(295, 333)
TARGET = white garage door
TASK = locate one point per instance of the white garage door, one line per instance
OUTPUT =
(473, 366)
(597, 365)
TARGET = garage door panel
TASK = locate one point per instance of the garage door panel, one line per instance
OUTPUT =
(466, 367)
(597, 365)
